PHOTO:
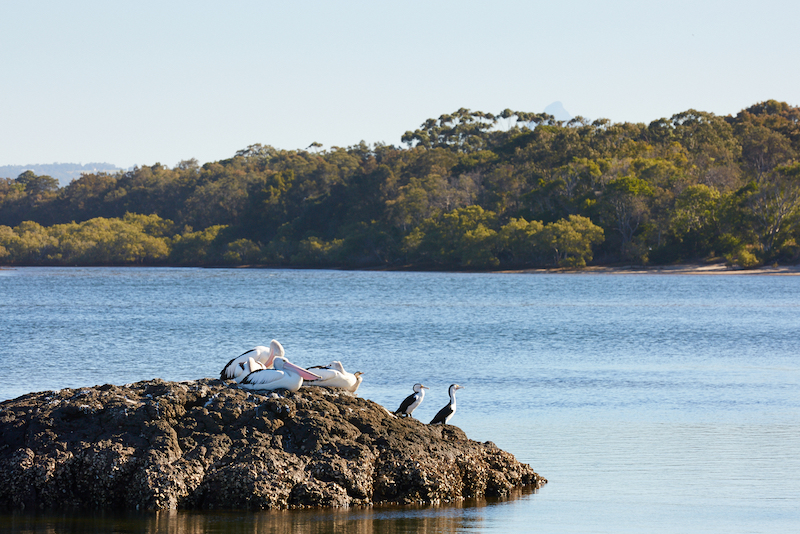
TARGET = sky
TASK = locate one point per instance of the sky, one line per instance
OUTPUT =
(145, 82)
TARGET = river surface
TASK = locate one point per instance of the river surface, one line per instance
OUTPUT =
(651, 403)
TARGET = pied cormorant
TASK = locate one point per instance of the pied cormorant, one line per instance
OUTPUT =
(411, 402)
(447, 412)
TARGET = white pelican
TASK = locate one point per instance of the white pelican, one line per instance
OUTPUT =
(250, 366)
(285, 375)
(334, 376)
(260, 354)
(411, 402)
(447, 412)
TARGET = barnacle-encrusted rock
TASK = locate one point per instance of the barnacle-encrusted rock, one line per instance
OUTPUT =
(203, 444)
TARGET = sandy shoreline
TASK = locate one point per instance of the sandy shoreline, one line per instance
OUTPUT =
(696, 269)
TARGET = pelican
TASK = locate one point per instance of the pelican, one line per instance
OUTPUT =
(334, 376)
(263, 355)
(250, 366)
(411, 402)
(447, 412)
(285, 375)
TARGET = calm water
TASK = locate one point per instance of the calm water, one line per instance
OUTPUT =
(652, 403)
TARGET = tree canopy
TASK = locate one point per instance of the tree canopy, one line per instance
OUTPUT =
(469, 190)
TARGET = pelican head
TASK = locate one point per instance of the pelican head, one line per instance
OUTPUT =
(248, 367)
(359, 377)
(282, 364)
(337, 365)
(275, 351)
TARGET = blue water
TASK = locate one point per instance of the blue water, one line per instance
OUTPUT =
(652, 403)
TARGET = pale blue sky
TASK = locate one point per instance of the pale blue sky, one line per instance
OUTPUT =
(160, 81)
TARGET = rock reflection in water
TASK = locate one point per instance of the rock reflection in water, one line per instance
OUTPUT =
(468, 515)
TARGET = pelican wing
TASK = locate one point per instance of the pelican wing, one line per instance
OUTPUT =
(263, 377)
(324, 373)
(233, 368)
(333, 366)
(253, 365)
(227, 371)
(335, 379)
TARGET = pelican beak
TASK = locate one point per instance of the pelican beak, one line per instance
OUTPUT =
(307, 375)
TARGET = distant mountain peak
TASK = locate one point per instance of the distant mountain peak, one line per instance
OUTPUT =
(556, 109)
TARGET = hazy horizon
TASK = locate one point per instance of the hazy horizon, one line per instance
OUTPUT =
(136, 84)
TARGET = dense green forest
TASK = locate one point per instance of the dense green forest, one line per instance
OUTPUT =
(469, 190)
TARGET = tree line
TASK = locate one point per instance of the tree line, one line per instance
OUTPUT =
(468, 190)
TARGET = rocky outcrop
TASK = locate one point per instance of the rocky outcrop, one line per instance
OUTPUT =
(206, 444)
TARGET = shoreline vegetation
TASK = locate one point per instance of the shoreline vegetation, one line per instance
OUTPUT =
(469, 191)
(679, 269)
